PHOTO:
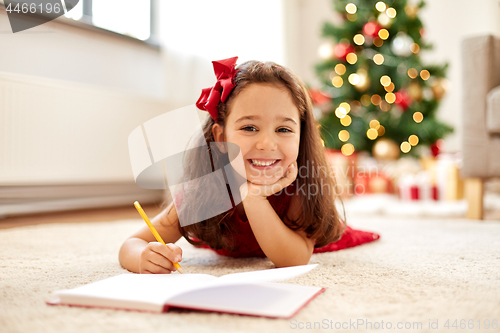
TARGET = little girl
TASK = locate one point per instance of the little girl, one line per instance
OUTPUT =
(265, 110)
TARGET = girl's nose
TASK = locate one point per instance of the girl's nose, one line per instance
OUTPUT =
(266, 142)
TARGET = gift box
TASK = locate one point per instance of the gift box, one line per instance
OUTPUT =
(343, 168)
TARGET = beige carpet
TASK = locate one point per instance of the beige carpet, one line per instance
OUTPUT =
(419, 271)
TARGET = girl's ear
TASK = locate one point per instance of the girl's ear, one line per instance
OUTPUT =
(218, 133)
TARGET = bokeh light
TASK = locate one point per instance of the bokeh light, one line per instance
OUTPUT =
(340, 112)
(378, 59)
(405, 147)
(366, 100)
(351, 58)
(347, 149)
(424, 74)
(337, 82)
(391, 12)
(412, 73)
(413, 140)
(390, 98)
(354, 79)
(346, 107)
(346, 121)
(359, 39)
(372, 134)
(381, 6)
(344, 135)
(385, 80)
(351, 8)
(340, 69)
(418, 117)
(414, 48)
(383, 34)
(376, 99)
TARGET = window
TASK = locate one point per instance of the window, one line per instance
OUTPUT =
(132, 18)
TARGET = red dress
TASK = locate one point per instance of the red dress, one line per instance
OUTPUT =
(246, 244)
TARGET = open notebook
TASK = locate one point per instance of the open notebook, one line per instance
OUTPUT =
(248, 293)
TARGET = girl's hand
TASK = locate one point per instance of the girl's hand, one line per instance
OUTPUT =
(252, 190)
(157, 258)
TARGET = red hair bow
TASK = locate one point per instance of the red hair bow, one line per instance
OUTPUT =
(211, 97)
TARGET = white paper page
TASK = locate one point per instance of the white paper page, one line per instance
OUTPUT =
(253, 277)
(135, 291)
(275, 274)
(266, 299)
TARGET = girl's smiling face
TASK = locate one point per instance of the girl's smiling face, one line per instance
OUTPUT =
(265, 123)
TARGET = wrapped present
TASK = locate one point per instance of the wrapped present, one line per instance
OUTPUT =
(373, 183)
(344, 169)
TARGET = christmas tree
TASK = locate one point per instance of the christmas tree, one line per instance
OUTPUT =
(376, 89)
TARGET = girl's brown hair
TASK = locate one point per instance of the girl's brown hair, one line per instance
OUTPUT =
(319, 217)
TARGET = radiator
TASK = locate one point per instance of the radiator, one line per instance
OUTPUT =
(58, 137)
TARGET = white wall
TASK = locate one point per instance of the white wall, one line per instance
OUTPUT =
(303, 22)
(193, 33)
(446, 23)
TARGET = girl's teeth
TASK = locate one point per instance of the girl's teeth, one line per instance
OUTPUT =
(259, 163)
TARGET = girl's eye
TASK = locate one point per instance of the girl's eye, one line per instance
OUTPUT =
(253, 129)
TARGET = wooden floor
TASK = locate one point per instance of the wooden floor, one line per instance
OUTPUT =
(93, 215)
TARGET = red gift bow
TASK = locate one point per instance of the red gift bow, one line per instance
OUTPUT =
(210, 97)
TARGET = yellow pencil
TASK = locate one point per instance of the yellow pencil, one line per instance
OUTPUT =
(153, 230)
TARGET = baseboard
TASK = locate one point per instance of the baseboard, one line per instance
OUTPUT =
(23, 200)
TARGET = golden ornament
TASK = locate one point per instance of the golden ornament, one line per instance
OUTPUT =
(385, 149)
(411, 11)
(439, 87)
(415, 91)
(379, 185)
